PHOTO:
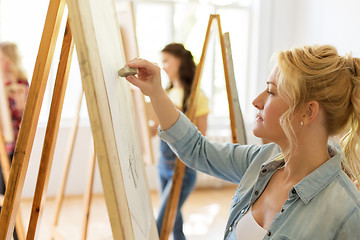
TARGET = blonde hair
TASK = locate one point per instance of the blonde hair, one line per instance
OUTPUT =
(11, 51)
(319, 73)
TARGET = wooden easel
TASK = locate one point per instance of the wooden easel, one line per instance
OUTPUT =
(236, 122)
(118, 206)
(127, 27)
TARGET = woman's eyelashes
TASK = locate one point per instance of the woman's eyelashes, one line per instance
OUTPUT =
(269, 92)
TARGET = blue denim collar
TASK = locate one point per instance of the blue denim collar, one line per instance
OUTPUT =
(313, 183)
(317, 180)
(274, 162)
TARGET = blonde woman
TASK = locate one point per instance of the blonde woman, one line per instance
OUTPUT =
(294, 187)
(17, 87)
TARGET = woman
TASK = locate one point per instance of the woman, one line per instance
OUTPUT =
(16, 86)
(179, 65)
(294, 187)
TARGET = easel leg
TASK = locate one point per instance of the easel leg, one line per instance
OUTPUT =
(5, 168)
(88, 196)
(70, 149)
(227, 82)
(237, 115)
(51, 131)
(173, 201)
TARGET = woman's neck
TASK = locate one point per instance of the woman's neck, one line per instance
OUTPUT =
(308, 156)
(176, 83)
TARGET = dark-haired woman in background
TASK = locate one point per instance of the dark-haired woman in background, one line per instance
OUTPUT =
(179, 65)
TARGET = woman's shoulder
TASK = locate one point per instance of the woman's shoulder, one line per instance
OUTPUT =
(176, 95)
(202, 95)
(340, 198)
(351, 192)
(202, 107)
(342, 201)
(261, 155)
(175, 91)
(266, 153)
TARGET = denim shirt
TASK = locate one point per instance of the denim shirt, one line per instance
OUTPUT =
(323, 205)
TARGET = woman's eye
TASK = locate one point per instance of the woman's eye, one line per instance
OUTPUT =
(268, 91)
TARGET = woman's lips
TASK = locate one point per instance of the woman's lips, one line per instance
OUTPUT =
(259, 118)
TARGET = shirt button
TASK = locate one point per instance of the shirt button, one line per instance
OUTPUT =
(230, 229)
(269, 234)
(242, 211)
(256, 192)
(293, 191)
(282, 210)
(264, 170)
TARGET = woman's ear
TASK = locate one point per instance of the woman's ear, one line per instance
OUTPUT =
(311, 112)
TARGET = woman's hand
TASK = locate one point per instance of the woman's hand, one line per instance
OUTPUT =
(148, 79)
(149, 82)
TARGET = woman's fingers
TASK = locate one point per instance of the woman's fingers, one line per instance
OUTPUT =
(135, 81)
(144, 64)
(148, 78)
(144, 86)
(137, 63)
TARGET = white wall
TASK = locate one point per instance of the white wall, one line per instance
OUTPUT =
(329, 22)
(290, 23)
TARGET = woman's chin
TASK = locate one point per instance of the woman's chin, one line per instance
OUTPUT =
(258, 132)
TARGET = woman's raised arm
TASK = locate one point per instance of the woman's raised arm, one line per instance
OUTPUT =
(149, 82)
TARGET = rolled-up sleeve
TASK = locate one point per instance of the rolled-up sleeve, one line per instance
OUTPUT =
(226, 161)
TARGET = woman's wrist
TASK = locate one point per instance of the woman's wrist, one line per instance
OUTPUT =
(158, 95)
(164, 109)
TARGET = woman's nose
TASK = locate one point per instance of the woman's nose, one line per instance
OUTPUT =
(258, 102)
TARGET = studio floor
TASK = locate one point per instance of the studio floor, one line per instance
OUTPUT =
(205, 215)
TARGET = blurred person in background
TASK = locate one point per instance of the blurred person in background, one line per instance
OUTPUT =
(16, 88)
(179, 65)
